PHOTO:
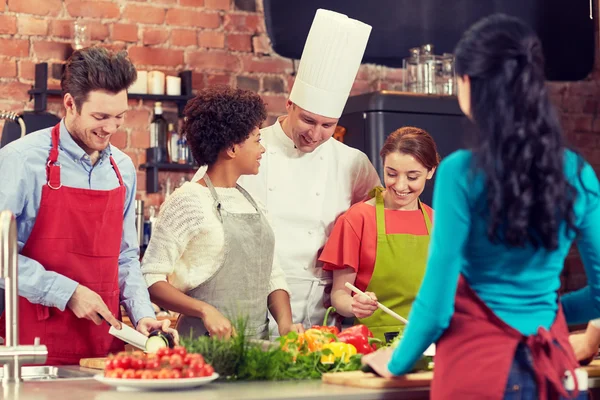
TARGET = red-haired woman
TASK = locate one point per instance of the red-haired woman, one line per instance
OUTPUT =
(381, 245)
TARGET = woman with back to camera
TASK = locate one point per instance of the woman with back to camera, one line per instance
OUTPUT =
(507, 213)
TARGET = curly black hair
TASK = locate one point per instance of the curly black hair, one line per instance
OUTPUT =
(220, 117)
(520, 147)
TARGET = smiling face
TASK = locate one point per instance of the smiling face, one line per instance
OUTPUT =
(307, 130)
(404, 178)
(248, 154)
(98, 118)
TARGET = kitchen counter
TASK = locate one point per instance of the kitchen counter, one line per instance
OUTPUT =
(90, 389)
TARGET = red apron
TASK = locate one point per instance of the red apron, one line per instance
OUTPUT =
(474, 355)
(77, 233)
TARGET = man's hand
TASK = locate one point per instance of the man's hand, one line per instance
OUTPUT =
(285, 329)
(86, 303)
(147, 325)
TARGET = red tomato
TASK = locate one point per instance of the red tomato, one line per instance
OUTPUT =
(138, 363)
(197, 365)
(147, 375)
(116, 373)
(188, 373)
(192, 356)
(123, 362)
(207, 370)
(165, 360)
(128, 374)
(152, 364)
(109, 364)
(176, 374)
(138, 354)
(164, 374)
(176, 361)
(163, 351)
(138, 374)
(179, 350)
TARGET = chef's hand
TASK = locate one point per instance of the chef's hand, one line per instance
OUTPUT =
(379, 360)
(216, 324)
(285, 329)
(148, 324)
(363, 306)
(85, 303)
(585, 345)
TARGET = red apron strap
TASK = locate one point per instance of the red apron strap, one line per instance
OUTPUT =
(114, 165)
(52, 167)
(549, 357)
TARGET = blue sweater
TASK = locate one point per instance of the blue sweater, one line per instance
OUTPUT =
(518, 284)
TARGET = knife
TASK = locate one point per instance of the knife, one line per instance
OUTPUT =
(128, 335)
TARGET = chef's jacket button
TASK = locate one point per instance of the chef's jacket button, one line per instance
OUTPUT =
(321, 158)
(318, 193)
(306, 268)
(270, 189)
(272, 152)
(86, 157)
(310, 232)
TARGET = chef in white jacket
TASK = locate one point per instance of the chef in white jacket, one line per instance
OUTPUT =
(306, 178)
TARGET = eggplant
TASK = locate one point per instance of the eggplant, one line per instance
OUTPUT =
(158, 339)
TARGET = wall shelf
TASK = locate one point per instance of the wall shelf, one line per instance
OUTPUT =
(152, 169)
(40, 92)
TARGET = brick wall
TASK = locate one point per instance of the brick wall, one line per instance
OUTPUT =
(223, 42)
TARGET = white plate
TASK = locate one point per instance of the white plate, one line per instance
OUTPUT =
(155, 384)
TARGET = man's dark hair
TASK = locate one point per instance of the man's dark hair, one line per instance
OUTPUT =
(96, 68)
(219, 117)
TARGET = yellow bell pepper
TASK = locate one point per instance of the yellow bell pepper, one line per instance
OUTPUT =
(315, 339)
(339, 350)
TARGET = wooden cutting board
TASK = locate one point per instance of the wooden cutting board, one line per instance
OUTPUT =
(593, 368)
(370, 380)
(93, 363)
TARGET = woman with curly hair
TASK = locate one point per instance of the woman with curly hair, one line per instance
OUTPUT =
(507, 213)
(210, 257)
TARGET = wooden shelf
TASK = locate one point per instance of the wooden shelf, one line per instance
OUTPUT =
(40, 92)
(152, 169)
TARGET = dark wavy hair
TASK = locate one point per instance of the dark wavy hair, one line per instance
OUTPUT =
(219, 117)
(96, 68)
(520, 147)
(415, 142)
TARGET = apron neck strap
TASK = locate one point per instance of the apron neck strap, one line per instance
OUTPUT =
(52, 166)
(380, 212)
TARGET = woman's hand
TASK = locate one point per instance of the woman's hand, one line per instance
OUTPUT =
(363, 306)
(379, 360)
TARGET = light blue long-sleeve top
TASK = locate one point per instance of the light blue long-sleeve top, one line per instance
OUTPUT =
(22, 176)
(518, 284)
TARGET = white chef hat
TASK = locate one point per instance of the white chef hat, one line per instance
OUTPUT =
(330, 60)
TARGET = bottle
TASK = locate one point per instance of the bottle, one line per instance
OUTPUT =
(158, 134)
(183, 151)
(172, 146)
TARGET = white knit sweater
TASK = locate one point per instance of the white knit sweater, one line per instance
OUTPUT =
(188, 245)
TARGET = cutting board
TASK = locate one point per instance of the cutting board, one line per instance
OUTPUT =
(370, 380)
(94, 363)
(593, 368)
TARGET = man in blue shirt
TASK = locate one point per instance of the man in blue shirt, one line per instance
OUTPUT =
(73, 195)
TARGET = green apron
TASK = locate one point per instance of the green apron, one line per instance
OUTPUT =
(399, 268)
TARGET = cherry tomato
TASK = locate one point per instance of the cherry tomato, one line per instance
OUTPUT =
(176, 374)
(196, 365)
(138, 363)
(123, 362)
(165, 360)
(137, 354)
(179, 350)
(207, 370)
(164, 374)
(163, 351)
(152, 364)
(128, 374)
(138, 374)
(176, 361)
(147, 375)
(192, 356)
(116, 373)
(109, 364)
(188, 373)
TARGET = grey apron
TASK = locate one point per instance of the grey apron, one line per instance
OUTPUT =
(240, 287)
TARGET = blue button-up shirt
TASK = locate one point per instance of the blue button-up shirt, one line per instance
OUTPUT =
(22, 176)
